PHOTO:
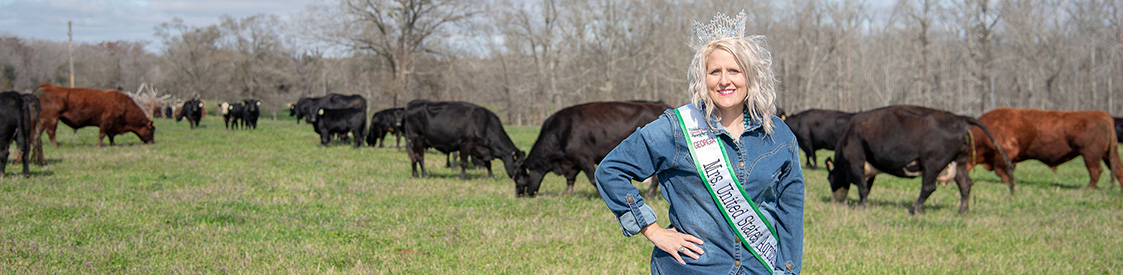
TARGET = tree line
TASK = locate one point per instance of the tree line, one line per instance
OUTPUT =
(525, 59)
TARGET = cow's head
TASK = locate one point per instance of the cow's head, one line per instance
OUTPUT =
(512, 160)
(313, 117)
(252, 105)
(838, 180)
(527, 181)
(147, 134)
(225, 108)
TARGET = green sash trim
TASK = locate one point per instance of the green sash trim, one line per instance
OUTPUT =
(712, 162)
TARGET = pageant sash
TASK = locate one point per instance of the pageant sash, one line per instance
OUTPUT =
(713, 166)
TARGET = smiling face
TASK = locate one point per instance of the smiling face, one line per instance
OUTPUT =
(725, 81)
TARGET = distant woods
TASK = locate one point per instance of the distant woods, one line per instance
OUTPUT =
(526, 59)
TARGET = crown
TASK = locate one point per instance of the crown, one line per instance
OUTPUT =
(720, 27)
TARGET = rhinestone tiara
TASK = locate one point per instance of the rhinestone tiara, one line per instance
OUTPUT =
(720, 27)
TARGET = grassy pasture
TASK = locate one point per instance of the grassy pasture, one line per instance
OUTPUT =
(272, 200)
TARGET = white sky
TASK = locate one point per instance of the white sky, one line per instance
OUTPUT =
(131, 20)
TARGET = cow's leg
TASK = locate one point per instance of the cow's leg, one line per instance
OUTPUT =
(111, 142)
(417, 158)
(570, 178)
(487, 164)
(100, 136)
(927, 185)
(4, 164)
(1094, 169)
(50, 126)
(465, 153)
(36, 145)
(590, 170)
(864, 190)
(1111, 159)
(811, 158)
(965, 183)
(355, 131)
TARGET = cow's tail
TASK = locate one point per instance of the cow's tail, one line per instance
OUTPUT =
(40, 87)
(23, 139)
(1005, 158)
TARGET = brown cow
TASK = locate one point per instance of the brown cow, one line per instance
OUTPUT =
(1053, 137)
(111, 111)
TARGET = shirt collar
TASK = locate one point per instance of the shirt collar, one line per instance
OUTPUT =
(753, 123)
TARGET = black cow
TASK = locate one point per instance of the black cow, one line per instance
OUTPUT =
(577, 138)
(816, 129)
(339, 121)
(299, 113)
(1118, 128)
(306, 106)
(387, 121)
(457, 126)
(15, 123)
(232, 114)
(193, 111)
(251, 112)
(169, 111)
(36, 142)
(904, 141)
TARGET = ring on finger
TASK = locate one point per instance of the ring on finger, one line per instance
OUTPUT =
(682, 249)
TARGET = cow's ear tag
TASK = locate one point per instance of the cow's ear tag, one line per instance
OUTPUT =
(259, 103)
(321, 112)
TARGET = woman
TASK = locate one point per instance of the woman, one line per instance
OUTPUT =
(729, 168)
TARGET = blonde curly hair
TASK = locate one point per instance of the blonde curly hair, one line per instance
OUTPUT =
(756, 64)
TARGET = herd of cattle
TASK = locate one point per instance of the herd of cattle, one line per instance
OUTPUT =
(903, 140)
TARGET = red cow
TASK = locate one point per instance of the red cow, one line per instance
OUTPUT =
(1053, 137)
(112, 111)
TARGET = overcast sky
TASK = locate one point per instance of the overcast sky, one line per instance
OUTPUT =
(131, 20)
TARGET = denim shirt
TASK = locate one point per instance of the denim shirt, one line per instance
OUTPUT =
(767, 166)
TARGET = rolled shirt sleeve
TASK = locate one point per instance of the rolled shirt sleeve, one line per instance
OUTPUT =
(631, 160)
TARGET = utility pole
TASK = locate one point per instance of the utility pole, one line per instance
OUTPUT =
(70, 50)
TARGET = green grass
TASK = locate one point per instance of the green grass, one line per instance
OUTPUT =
(273, 200)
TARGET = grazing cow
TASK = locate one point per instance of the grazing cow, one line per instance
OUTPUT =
(1053, 137)
(577, 138)
(339, 121)
(251, 112)
(816, 129)
(1118, 128)
(15, 123)
(388, 121)
(306, 106)
(904, 141)
(193, 111)
(457, 126)
(111, 110)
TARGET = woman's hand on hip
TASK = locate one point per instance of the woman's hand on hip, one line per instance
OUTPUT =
(673, 242)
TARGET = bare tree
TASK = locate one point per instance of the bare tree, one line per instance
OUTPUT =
(395, 30)
(258, 56)
(192, 58)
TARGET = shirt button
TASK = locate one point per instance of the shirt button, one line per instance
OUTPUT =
(737, 239)
(737, 263)
(630, 199)
(741, 164)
